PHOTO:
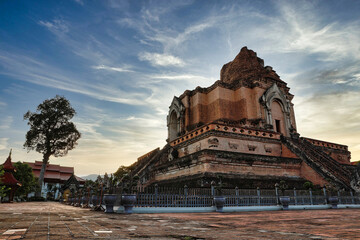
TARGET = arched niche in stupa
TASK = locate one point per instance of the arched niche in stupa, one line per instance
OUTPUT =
(175, 119)
(277, 110)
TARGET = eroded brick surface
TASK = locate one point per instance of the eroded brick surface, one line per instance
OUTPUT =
(56, 221)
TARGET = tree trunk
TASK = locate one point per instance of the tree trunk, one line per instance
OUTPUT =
(42, 173)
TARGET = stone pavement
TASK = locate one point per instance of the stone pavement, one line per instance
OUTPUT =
(50, 220)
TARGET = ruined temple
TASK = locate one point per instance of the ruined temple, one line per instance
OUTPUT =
(243, 128)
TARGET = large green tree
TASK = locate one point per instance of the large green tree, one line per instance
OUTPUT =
(122, 170)
(51, 131)
(27, 179)
(3, 188)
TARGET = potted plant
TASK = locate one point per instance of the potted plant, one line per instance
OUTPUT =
(98, 191)
(128, 198)
(110, 197)
(332, 197)
(87, 193)
(284, 200)
(78, 200)
(95, 195)
(219, 199)
(94, 192)
(84, 198)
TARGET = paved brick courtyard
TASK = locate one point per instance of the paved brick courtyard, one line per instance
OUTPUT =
(56, 221)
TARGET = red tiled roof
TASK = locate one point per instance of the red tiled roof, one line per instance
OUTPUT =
(80, 180)
(9, 180)
(8, 165)
(66, 169)
(53, 172)
(65, 176)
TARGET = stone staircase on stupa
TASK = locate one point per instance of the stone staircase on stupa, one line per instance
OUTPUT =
(319, 160)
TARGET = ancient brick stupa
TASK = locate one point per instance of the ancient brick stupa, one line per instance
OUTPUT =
(242, 128)
(9, 180)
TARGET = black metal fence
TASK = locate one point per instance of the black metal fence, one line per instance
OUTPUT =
(203, 197)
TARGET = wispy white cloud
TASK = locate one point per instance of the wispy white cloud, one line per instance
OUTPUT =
(5, 122)
(116, 69)
(330, 117)
(171, 40)
(114, 141)
(34, 71)
(181, 77)
(79, 2)
(301, 28)
(57, 26)
(96, 50)
(4, 143)
(158, 59)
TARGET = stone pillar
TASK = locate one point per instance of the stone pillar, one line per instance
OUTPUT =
(295, 198)
(212, 188)
(352, 197)
(156, 194)
(259, 196)
(311, 196)
(186, 194)
(277, 193)
(325, 195)
(237, 195)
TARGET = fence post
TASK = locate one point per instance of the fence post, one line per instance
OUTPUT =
(311, 196)
(156, 194)
(295, 198)
(258, 194)
(237, 195)
(352, 197)
(277, 193)
(325, 195)
(186, 194)
(212, 188)
(338, 193)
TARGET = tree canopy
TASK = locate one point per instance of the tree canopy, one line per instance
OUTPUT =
(27, 179)
(51, 131)
(122, 170)
(3, 188)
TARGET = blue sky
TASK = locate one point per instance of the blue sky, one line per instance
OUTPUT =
(121, 62)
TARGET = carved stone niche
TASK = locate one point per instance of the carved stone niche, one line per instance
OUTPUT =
(175, 119)
(251, 147)
(271, 94)
(173, 154)
(268, 149)
(233, 145)
(213, 142)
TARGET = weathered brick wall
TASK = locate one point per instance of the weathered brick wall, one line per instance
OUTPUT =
(311, 175)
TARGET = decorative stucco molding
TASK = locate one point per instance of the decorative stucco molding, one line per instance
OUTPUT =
(275, 94)
(175, 119)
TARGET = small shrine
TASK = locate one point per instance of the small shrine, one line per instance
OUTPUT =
(9, 180)
(71, 185)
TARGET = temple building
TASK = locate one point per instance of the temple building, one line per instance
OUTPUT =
(9, 180)
(243, 128)
(55, 177)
